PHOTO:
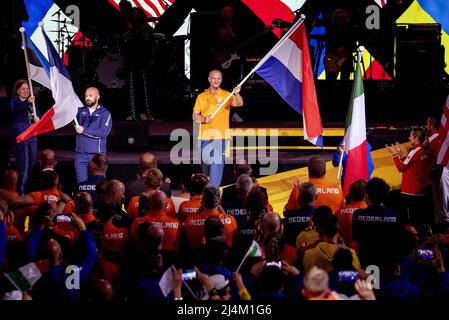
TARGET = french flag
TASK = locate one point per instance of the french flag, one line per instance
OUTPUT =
(38, 64)
(287, 68)
(66, 101)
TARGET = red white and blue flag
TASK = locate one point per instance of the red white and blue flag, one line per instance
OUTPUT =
(66, 101)
(443, 154)
(287, 68)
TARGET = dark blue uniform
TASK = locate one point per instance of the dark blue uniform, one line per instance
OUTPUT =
(26, 151)
(90, 186)
(295, 222)
(93, 140)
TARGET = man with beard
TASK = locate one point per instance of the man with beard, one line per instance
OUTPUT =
(95, 123)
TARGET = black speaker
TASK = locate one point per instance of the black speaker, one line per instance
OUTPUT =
(131, 136)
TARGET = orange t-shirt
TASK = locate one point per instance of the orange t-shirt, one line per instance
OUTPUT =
(133, 207)
(171, 226)
(69, 207)
(12, 234)
(344, 216)
(328, 194)
(189, 208)
(48, 195)
(206, 103)
(194, 227)
(115, 238)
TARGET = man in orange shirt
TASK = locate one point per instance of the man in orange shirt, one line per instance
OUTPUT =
(329, 194)
(153, 182)
(49, 192)
(194, 225)
(190, 207)
(155, 204)
(214, 130)
(84, 207)
(357, 197)
(115, 238)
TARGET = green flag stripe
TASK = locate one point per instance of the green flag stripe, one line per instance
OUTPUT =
(357, 91)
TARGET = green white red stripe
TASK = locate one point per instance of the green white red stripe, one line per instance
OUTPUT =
(355, 134)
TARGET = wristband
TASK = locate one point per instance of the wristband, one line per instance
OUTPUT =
(178, 298)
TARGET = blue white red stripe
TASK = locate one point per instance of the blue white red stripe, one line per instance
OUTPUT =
(287, 68)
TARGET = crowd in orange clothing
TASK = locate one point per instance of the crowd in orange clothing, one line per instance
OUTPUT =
(323, 237)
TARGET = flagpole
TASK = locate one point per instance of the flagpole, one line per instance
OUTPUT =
(41, 25)
(27, 63)
(243, 260)
(359, 58)
(262, 61)
(340, 163)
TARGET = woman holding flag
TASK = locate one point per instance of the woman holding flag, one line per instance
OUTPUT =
(22, 117)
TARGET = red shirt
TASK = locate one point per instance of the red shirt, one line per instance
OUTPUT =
(434, 146)
(12, 234)
(328, 194)
(189, 208)
(115, 238)
(194, 227)
(51, 196)
(344, 216)
(133, 207)
(415, 169)
(171, 226)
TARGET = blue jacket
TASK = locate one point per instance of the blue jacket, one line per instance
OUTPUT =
(336, 161)
(51, 286)
(21, 111)
(96, 129)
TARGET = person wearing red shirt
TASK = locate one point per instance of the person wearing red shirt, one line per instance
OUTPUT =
(155, 204)
(190, 207)
(194, 225)
(84, 207)
(115, 238)
(415, 168)
(153, 182)
(329, 194)
(357, 197)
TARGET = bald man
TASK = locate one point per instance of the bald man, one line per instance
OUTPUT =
(95, 123)
(214, 132)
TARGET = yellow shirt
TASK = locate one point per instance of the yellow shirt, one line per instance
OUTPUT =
(322, 255)
(205, 104)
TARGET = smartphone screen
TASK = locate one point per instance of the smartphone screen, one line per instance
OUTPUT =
(188, 275)
(348, 276)
(60, 218)
(425, 254)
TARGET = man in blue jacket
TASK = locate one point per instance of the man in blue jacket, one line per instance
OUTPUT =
(95, 123)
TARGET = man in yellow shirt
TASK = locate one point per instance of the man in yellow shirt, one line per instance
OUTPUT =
(214, 131)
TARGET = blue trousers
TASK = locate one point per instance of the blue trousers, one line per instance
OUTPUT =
(26, 153)
(213, 159)
(81, 165)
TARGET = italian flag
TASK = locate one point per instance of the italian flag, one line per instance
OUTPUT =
(26, 276)
(355, 133)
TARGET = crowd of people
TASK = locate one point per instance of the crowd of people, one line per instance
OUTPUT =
(126, 237)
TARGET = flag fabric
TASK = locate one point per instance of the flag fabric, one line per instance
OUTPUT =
(152, 8)
(66, 101)
(38, 64)
(381, 3)
(54, 18)
(355, 134)
(24, 277)
(268, 10)
(443, 154)
(254, 250)
(288, 69)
